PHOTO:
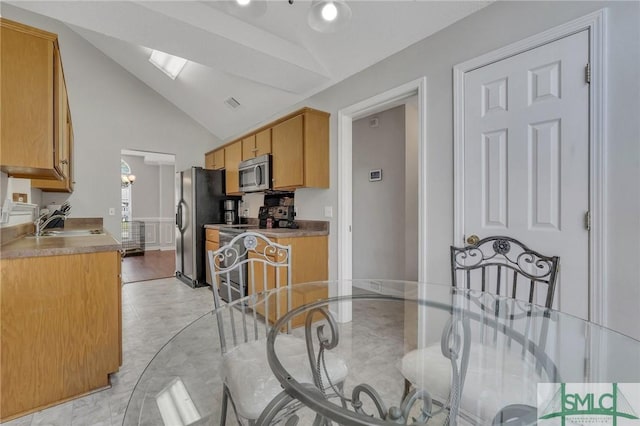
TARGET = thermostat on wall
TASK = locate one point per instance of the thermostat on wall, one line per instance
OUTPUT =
(375, 175)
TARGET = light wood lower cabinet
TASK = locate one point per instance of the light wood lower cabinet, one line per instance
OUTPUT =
(61, 329)
(309, 257)
(212, 242)
(210, 245)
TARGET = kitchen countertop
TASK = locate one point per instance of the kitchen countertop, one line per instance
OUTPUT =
(58, 246)
(307, 228)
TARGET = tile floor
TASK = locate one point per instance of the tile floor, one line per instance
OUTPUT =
(152, 312)
(367, 344)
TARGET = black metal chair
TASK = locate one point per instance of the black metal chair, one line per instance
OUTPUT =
(498, 282)
(505, 267)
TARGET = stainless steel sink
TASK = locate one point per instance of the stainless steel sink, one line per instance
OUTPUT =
(69, 233)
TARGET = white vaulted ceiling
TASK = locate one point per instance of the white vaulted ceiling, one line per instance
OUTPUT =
(267, 63)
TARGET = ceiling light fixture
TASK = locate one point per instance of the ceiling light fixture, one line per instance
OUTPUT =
(127, 180)
(329, 12)
(328, 16)
(168, 64)
(244, 9)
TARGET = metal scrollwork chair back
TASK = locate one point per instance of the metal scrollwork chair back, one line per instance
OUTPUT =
(262, 267)
(505, 267)
(496, 284)
(253, 264)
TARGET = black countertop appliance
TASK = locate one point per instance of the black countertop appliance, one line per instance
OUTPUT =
(277, 216)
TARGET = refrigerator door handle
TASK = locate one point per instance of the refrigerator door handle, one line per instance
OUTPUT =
(179, 217)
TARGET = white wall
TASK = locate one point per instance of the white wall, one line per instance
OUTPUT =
(153, 190)
(112, 110)
(252, 202)
(379, 206)
(491, 28)
(145, 192)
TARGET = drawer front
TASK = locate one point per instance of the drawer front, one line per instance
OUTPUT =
(212, 235)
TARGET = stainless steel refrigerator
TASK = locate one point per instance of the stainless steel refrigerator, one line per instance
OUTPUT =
(199, 195)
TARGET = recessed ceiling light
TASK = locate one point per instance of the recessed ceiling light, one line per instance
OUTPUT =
(328, 16)
(243, 2)
(168, 64)
(329, 12)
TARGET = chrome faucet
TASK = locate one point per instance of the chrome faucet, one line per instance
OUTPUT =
(41, 223)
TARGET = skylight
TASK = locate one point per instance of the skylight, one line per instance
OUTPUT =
(168, 64)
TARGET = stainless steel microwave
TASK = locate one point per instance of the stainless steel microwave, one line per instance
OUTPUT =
(255, 174)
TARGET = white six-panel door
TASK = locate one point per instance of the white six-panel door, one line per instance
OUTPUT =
(526, 158)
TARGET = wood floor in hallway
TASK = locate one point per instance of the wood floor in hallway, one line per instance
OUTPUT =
(153, 265)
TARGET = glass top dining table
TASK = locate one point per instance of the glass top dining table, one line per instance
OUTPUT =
(411, 353)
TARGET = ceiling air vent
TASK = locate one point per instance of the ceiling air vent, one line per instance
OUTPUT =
(232, 103)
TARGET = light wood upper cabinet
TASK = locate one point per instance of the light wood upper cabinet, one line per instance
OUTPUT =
(61, 115)
(298, 143)
(208, 160)
(67, 183)
(232, 157)
(300, 147)
(263, 142)
(214, 160)
(33, 95)
(288, 153)
(218, 159)
(248, 147)
(256, 145)
(64, 133)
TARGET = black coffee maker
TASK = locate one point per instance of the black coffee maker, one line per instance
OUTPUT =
(230, 211)
(263, 216)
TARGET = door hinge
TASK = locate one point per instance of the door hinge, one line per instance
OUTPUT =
(587, 73)
(587, 221)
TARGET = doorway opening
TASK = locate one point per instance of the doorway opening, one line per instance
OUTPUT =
(346, 117)
(148, 186)
(385, 194)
